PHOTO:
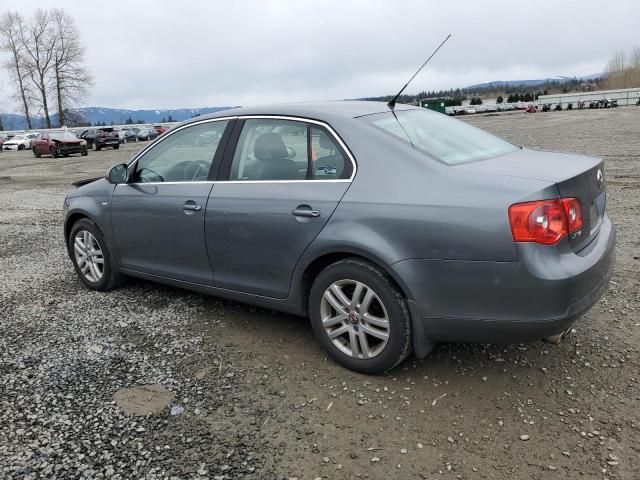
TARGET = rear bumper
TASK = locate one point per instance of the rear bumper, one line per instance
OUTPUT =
(107, 142)
(540, 295)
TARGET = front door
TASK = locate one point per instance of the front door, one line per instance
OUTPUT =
(158, 216)
(280, 186)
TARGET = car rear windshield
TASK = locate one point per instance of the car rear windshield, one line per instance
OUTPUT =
(448, 140)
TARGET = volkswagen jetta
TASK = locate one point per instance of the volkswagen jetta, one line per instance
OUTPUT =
(390, 229)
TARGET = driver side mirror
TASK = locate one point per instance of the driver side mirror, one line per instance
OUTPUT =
(118, 174)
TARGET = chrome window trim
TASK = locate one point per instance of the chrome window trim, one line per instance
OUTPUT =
(333, 133)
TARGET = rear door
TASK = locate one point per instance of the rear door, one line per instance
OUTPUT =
(158, 217)
(281, 180)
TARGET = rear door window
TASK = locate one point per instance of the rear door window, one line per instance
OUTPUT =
(280, 150)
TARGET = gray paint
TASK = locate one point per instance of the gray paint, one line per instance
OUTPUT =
(441, 232)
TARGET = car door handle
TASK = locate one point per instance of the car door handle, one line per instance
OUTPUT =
(191, 206)
(305, 211)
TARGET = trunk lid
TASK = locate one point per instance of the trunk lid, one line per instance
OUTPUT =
(577, 176)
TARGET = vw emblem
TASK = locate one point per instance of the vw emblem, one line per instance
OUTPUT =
(600, 178)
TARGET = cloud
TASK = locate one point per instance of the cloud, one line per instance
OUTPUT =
(170, 54)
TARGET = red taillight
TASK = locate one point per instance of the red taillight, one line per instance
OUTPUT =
(573, 211)
(545, 221)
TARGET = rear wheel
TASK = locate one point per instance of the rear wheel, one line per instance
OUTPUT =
(360, 316)
(91, 258)
(83, 151)
(36, 154)
(53, 151)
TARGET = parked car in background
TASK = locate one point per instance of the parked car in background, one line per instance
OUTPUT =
(59, 143)
(471, 239)
(19, 142)
(127, 135)
(101, 137)
(160, 129)
(147, 133)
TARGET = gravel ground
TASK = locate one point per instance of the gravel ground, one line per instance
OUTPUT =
(248, 393)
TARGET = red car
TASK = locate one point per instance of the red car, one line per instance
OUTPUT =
(57, 144)
(160, 129)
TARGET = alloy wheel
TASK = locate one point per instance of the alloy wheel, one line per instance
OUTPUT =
(355, 319)
(88, 255)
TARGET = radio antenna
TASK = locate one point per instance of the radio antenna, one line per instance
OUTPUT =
(392, 103)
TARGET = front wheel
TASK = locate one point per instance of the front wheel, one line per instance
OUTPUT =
(116, 147)
(360, 316)
(83, 151)
(91, 257)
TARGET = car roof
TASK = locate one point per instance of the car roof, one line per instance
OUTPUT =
(343, 109)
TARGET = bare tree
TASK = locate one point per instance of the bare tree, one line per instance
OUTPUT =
(11, 28)
(622, 73)
(71, 79)
(39, 44)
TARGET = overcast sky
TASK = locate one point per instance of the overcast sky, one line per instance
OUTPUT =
(190, 53)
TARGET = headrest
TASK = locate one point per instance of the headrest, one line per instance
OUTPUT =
(269, 146)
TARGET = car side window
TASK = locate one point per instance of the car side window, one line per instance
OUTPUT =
(271, 149)
(184, 156)
(329, 161)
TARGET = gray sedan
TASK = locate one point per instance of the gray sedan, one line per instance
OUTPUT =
(389, 229)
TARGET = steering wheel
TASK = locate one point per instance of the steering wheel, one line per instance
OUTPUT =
(291, 152)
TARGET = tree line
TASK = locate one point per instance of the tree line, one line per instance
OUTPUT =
(45, 59)
(515, 92)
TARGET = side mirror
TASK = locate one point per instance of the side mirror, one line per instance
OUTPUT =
(118, 174)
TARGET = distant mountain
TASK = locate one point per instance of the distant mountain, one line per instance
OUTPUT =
(93, 115)
(528, 83)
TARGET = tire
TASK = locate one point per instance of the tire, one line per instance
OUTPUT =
(20, 147)
(116, 147)
(109, 277)
(84, 151)
(387, 301)
(53, 151)
(98, 148)
(92, 146)
(36, 154)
